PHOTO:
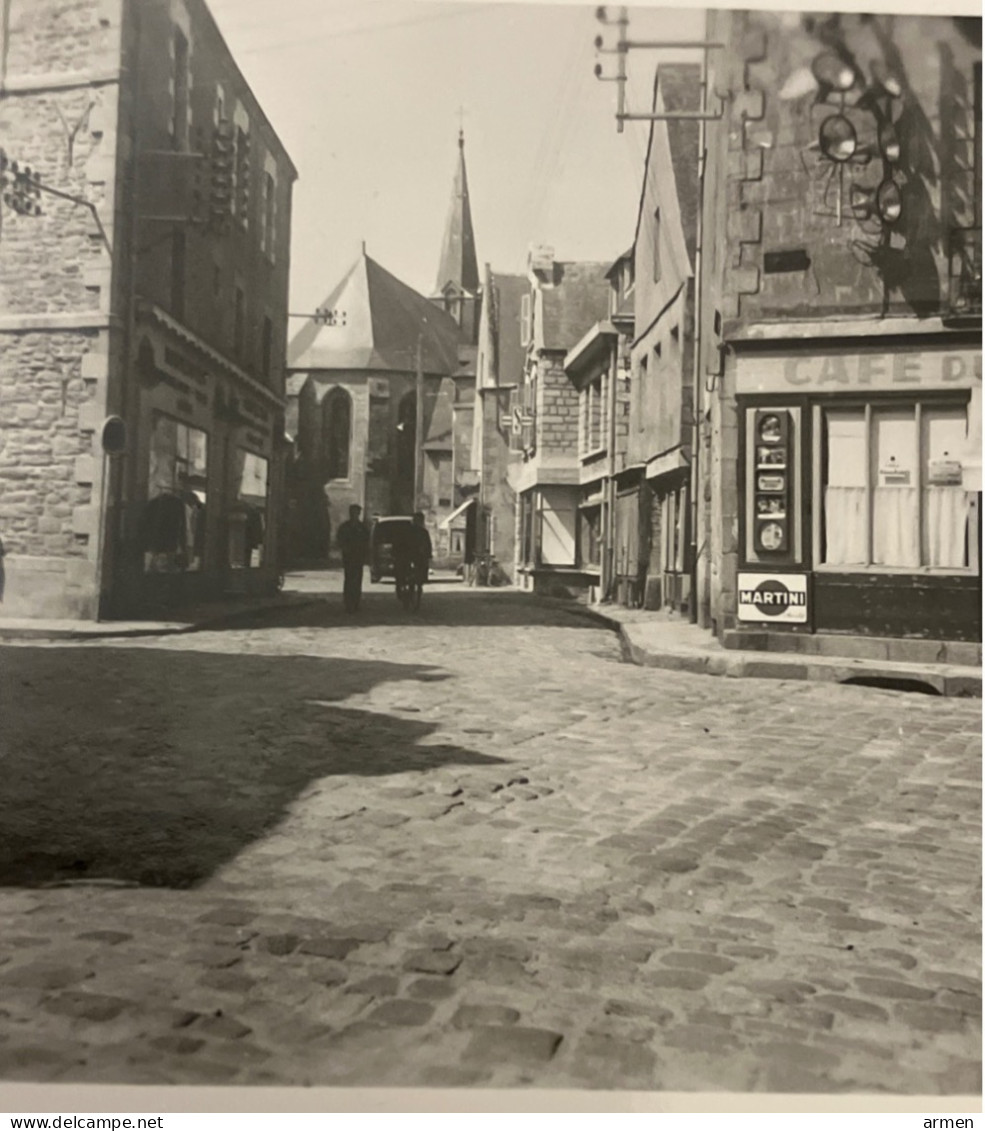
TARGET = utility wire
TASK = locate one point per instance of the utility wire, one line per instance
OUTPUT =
(344, 33)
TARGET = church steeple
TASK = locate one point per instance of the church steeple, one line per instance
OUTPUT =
(459, 266)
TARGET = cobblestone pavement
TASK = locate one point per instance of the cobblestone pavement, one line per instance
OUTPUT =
(472, 847)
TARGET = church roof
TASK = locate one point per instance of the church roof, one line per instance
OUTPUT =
(379, 321)
(459, 267)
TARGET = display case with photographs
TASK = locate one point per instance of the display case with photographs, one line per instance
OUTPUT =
(771, 481)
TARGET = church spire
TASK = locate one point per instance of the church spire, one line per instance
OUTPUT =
(459, 265)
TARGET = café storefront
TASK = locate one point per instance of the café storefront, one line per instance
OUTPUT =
(860, 489)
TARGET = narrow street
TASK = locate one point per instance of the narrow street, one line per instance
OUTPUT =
(471, 846)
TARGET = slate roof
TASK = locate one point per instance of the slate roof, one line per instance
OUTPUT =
(578, 299)
(510, 354)
(459, 265)
(383, 318)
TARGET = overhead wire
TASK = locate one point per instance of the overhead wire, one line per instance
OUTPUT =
(534, 207)
(345, 33)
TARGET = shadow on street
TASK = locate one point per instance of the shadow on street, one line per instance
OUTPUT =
(442, 605)
(157, 767)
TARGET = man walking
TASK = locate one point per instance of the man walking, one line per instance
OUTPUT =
(353, 542)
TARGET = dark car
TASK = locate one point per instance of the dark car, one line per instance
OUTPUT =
(381, 544)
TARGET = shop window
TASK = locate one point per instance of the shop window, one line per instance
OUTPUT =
(171, 530)
(893, 494)
(336, 433)
(248, 514)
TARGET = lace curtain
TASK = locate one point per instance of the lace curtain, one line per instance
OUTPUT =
(896, 539)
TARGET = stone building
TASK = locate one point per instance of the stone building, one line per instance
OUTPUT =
(840, 334)
(654, 523)
(598, 366)
(354, 384)
(355, 373)
(151, 289)
(496, 431)
(565, 300)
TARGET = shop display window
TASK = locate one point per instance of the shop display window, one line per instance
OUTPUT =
(893, 494)
(248, 515)
(171, 529)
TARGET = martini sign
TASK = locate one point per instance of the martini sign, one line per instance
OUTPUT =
(778, 598)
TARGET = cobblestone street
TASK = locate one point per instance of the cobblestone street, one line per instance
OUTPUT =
(471, 846)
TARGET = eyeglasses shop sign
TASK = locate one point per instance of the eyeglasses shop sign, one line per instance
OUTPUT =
(777, 598)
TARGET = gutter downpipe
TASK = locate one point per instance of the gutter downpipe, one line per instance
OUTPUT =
(610, 508)
(697, 370)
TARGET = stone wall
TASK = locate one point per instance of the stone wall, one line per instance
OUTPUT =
(59, 118)
(784, 196)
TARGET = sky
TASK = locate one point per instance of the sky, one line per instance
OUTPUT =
(368, 98)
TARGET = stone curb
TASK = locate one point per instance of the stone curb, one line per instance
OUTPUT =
(946, 680)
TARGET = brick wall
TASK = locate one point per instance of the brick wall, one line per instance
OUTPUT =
(557, 407)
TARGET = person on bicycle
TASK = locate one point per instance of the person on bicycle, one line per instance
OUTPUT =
(412, 554)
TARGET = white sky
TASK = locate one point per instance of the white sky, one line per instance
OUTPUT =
(365, 94)
(366, 98)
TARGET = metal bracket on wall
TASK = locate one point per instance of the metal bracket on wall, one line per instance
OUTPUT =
(623, 46)
(82, 203)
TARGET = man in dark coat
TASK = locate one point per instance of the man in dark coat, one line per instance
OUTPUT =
(353, 542)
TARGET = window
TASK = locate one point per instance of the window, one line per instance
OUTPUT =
(266, 347)
(592, 417)
(179, 122)
(445, 480)
(239, 322)
(590, 536)
(636, 396)
(178, 247)
(172, 524)
(268, 212)
(656, 246)
(336, 431)
(893, 493)
(526, 322)
(241, 195)
(248, 514)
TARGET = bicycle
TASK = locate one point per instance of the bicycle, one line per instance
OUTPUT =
(409, 587)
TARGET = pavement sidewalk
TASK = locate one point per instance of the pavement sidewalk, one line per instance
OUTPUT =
(660, 640)
(303, 588)
(194, 618)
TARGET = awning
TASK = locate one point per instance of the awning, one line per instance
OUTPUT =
(461, 509)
